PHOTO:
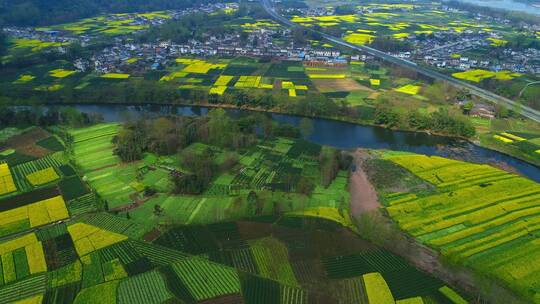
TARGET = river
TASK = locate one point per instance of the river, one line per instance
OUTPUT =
(345, 135)
(507, 5)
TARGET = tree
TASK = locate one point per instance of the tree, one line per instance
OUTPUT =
(131, 142)
(346, 9)
(220, 128)
(386, 115)
(467, 107)
(305, 186)
(3, 44)
(157, 210)
(202, 170)
(516, 109)
(329, 165)
(163, 136)
(306, 127)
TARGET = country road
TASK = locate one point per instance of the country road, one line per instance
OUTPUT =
(474, 90)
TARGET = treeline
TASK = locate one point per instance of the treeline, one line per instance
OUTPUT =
(194, 26)
(312, 104)
(197, 26)
(442, 121)
(388, 44)
(46, 12)
(38, 116)
(142, 91)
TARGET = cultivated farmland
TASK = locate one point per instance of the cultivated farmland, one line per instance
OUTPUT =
(251, 236)
(479, 216)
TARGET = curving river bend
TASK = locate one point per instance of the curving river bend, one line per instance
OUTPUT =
(344, 135)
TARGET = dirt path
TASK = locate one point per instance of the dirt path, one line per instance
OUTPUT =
(363, 195)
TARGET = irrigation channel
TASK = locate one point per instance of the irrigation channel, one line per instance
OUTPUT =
(342, 135)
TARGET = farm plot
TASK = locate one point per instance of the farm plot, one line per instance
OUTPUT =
(65, 275)
(42, 177)
(146, 288)
(206, 280)
(23, 289)
(115, 224)
(88, 238)
(72, 188)
(105, 293)
(480, 217)
(37, 172)
(33, 215)
(20, 258)
(272, 259)
(478, 75)
(376, 289)
(339, 85)
(93, 151)
(82, 204)
(93, 146)
(6, 180)
(257, 290)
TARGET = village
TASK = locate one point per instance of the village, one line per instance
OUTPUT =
(444, 49)
(440, 49)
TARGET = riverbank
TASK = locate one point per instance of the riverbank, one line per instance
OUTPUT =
(356, 122)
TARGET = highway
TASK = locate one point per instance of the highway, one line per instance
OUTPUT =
(474, 90)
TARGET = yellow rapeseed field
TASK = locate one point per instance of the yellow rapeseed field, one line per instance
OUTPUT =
(24, 79)
(376, 289)
(39, 213)
(36, 258)
(327, 76)
(115, 76)
(37, 299)
(409, 89)
(218, 90)
(61, 73)
(503, 139)
(42, 176)
(6, 180)
(375, 82)
(359, 38)
(248, 82)
(17, 243)
(88, 238)
(223, 80)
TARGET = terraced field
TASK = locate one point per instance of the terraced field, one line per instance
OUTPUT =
(480, 216)
(93, 152)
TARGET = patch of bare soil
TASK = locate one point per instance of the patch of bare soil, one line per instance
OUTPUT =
(363, 195)
(253, 230)
(374, 95)
(152, 235)
(339, 85)
(136, 202)
(25, 143)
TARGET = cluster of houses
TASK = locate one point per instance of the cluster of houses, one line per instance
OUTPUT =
(141, 57)
(443, 49)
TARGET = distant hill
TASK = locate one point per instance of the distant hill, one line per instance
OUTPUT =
(46, 12)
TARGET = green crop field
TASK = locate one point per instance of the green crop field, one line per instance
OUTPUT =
(145, 288)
